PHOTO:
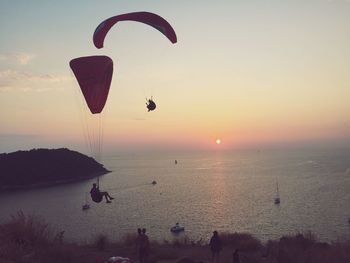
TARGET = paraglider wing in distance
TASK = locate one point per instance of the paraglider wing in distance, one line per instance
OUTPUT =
(94, 75)
(150, 19)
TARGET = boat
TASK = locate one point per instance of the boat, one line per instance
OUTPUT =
(86, 206)
(177, 228)
(277, 200)
(277, 197)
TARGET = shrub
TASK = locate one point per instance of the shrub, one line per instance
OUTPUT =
(26, 231)
(242, 241)
(29, 239)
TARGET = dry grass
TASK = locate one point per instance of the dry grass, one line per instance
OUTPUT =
(241, 241)
(28, 239)
(101, 242)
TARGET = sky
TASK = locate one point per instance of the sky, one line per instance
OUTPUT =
(252, 73)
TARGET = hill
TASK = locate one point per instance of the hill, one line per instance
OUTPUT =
(43, 167)
(32, 240)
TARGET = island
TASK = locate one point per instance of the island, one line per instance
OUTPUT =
(46, 167)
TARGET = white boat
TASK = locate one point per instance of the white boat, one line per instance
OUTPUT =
(277, 197)
(86, 206)
(177, 228)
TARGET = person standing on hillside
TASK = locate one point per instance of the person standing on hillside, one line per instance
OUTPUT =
(143, 245)
(97, 195)
(236, 256)
(138, 243)
(215, 247)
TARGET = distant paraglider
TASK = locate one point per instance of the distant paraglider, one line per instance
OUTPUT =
(147, 18)
(151, 105)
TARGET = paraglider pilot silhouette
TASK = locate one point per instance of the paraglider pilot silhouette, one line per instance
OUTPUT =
(97, 195)
(151, 105)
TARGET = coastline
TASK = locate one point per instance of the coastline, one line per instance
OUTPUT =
(37, 240)
(10, 188)
(43, 167)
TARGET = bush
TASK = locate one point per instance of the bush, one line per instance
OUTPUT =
(26, 231)
(242, 241)
(30, 239)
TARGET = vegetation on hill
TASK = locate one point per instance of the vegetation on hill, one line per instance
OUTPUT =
(29, 239)
(38, 167)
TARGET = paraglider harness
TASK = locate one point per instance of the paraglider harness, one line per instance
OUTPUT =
(151, 105)
(96, 195)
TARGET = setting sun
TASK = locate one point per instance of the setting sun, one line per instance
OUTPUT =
(218, 141)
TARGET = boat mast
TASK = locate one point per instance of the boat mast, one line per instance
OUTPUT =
(277, 198)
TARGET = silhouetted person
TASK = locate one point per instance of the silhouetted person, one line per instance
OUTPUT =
(143, 246)
(151, 105)
(97, 195)
(236, 257)
(215, 246)
(138, 243)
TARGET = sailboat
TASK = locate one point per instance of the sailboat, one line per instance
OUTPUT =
(277, 197)
(86, 206)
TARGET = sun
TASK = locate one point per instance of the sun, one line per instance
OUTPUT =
(218, 141)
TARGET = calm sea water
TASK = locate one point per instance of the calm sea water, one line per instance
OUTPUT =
(224, 191)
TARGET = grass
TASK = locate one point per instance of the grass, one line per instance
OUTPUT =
(28, 239)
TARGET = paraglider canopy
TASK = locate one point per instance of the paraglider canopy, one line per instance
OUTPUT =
(94, 75)
(150, 19)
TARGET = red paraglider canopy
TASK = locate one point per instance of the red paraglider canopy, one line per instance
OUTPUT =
(150, 19)
(94, 75)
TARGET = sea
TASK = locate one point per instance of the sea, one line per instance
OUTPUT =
(227, 191)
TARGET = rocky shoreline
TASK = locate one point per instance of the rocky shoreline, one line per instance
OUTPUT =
(46, 167)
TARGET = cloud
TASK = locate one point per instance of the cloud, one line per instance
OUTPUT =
(27, 81)
(17, 58)
(28, 76)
